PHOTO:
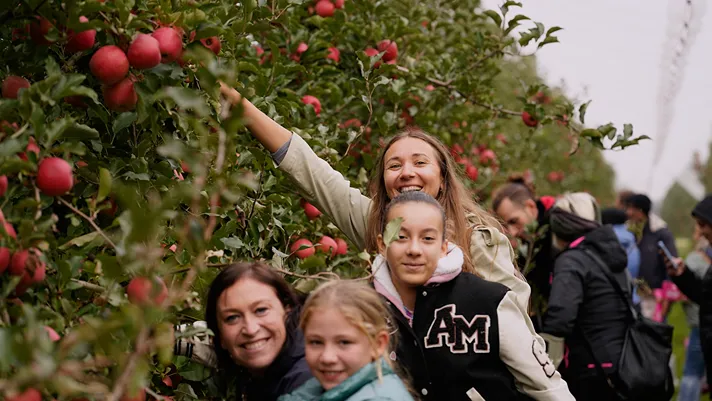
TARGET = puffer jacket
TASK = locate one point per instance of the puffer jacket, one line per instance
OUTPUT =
(490, 250)
(364, 385)
(467, 339)
(583, 302)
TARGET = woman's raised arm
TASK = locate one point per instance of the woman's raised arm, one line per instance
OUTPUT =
(270, 134)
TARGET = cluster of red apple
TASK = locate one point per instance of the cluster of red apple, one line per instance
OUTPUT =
(110, 64)
(388, 47)
(555, 176)
(326, 244)
(484, 155)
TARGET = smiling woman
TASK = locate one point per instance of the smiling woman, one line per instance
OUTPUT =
(254, 314)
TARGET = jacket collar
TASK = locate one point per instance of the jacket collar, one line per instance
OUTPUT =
(312, 389)
(449, 267)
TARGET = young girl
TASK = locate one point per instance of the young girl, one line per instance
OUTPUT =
(346, 332)
(461, 337)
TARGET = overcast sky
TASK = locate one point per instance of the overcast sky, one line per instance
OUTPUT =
(611, 52)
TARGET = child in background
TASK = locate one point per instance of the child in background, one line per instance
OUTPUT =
(347, 340)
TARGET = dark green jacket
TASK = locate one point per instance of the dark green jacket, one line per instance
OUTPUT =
(363, 385)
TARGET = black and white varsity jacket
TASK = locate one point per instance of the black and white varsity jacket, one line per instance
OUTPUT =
(467, 339)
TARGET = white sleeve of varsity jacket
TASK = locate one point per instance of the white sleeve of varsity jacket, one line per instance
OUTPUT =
(525, 355)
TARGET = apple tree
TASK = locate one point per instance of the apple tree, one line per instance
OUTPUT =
(126, 183)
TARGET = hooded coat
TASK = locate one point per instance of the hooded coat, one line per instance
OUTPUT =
(584, 303)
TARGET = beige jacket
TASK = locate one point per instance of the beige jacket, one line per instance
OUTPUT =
(332, 194)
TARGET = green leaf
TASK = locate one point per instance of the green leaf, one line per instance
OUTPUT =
(186, 99)
(582, 111)
(627, 130)
(124, 120)
(392, 230)
(591, 133)
(52, 68)
(104, 184)
(553, 29)
(55, 129)
(514, 22)
(80, 132)
(233, 242)
(607, 130)
(80, 241)
(547, 40)
(494, 16)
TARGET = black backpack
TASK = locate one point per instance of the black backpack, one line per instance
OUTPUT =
(643, 369)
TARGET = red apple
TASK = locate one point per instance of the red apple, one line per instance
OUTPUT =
(529, 120)
(429, 88)
(30, 394)
(212, 43)
(109, 64)
(502, 138)
(327, 245)
(144, 52)
(52, 334)
(302, 47)
(170, 43)
(3, 185)
(54, 176)
(303, 253)
(456, 149)
(472, 172)
(339, 4)
(371, 52)
(120, 96)
(81, 41)
(76, 101)
(334, 54)
(38, 30)
(487, 156)
(341, 246)
(27, 263)
(5, 257)
(31, 147)
(9, 229)
(20, 33)
(324, 8)
(146, 291)
(12, 85)
(390, 48)
(308, 99)
(353, 122)
(310, 210)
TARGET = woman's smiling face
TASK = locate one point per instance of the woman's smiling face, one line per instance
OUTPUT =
(251, 320)
(411, 164)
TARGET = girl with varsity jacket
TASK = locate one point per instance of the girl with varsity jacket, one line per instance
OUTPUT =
(459, 337)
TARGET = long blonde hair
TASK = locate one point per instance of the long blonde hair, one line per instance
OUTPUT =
(461, 210)
(359, 304)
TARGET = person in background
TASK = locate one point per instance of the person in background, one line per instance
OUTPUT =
(526, 218)
(649, 230)
(698, 261)
(345, 325)
(586, 313)
(617, 218)
(698, 290)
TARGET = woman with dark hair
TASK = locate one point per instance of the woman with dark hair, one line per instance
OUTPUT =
(254, 314)
(585, 310)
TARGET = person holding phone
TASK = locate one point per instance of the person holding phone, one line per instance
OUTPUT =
(697, 289)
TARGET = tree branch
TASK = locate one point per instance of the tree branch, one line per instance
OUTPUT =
(89, 219)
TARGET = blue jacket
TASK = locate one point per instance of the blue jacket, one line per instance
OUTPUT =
(627, 240)
(363, 385)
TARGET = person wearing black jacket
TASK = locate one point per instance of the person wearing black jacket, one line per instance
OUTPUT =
(585, 311)
(698, 290)
(527, 218)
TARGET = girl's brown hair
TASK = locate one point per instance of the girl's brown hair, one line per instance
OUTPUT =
(517, 190)
(358, 303)
(459, 203)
